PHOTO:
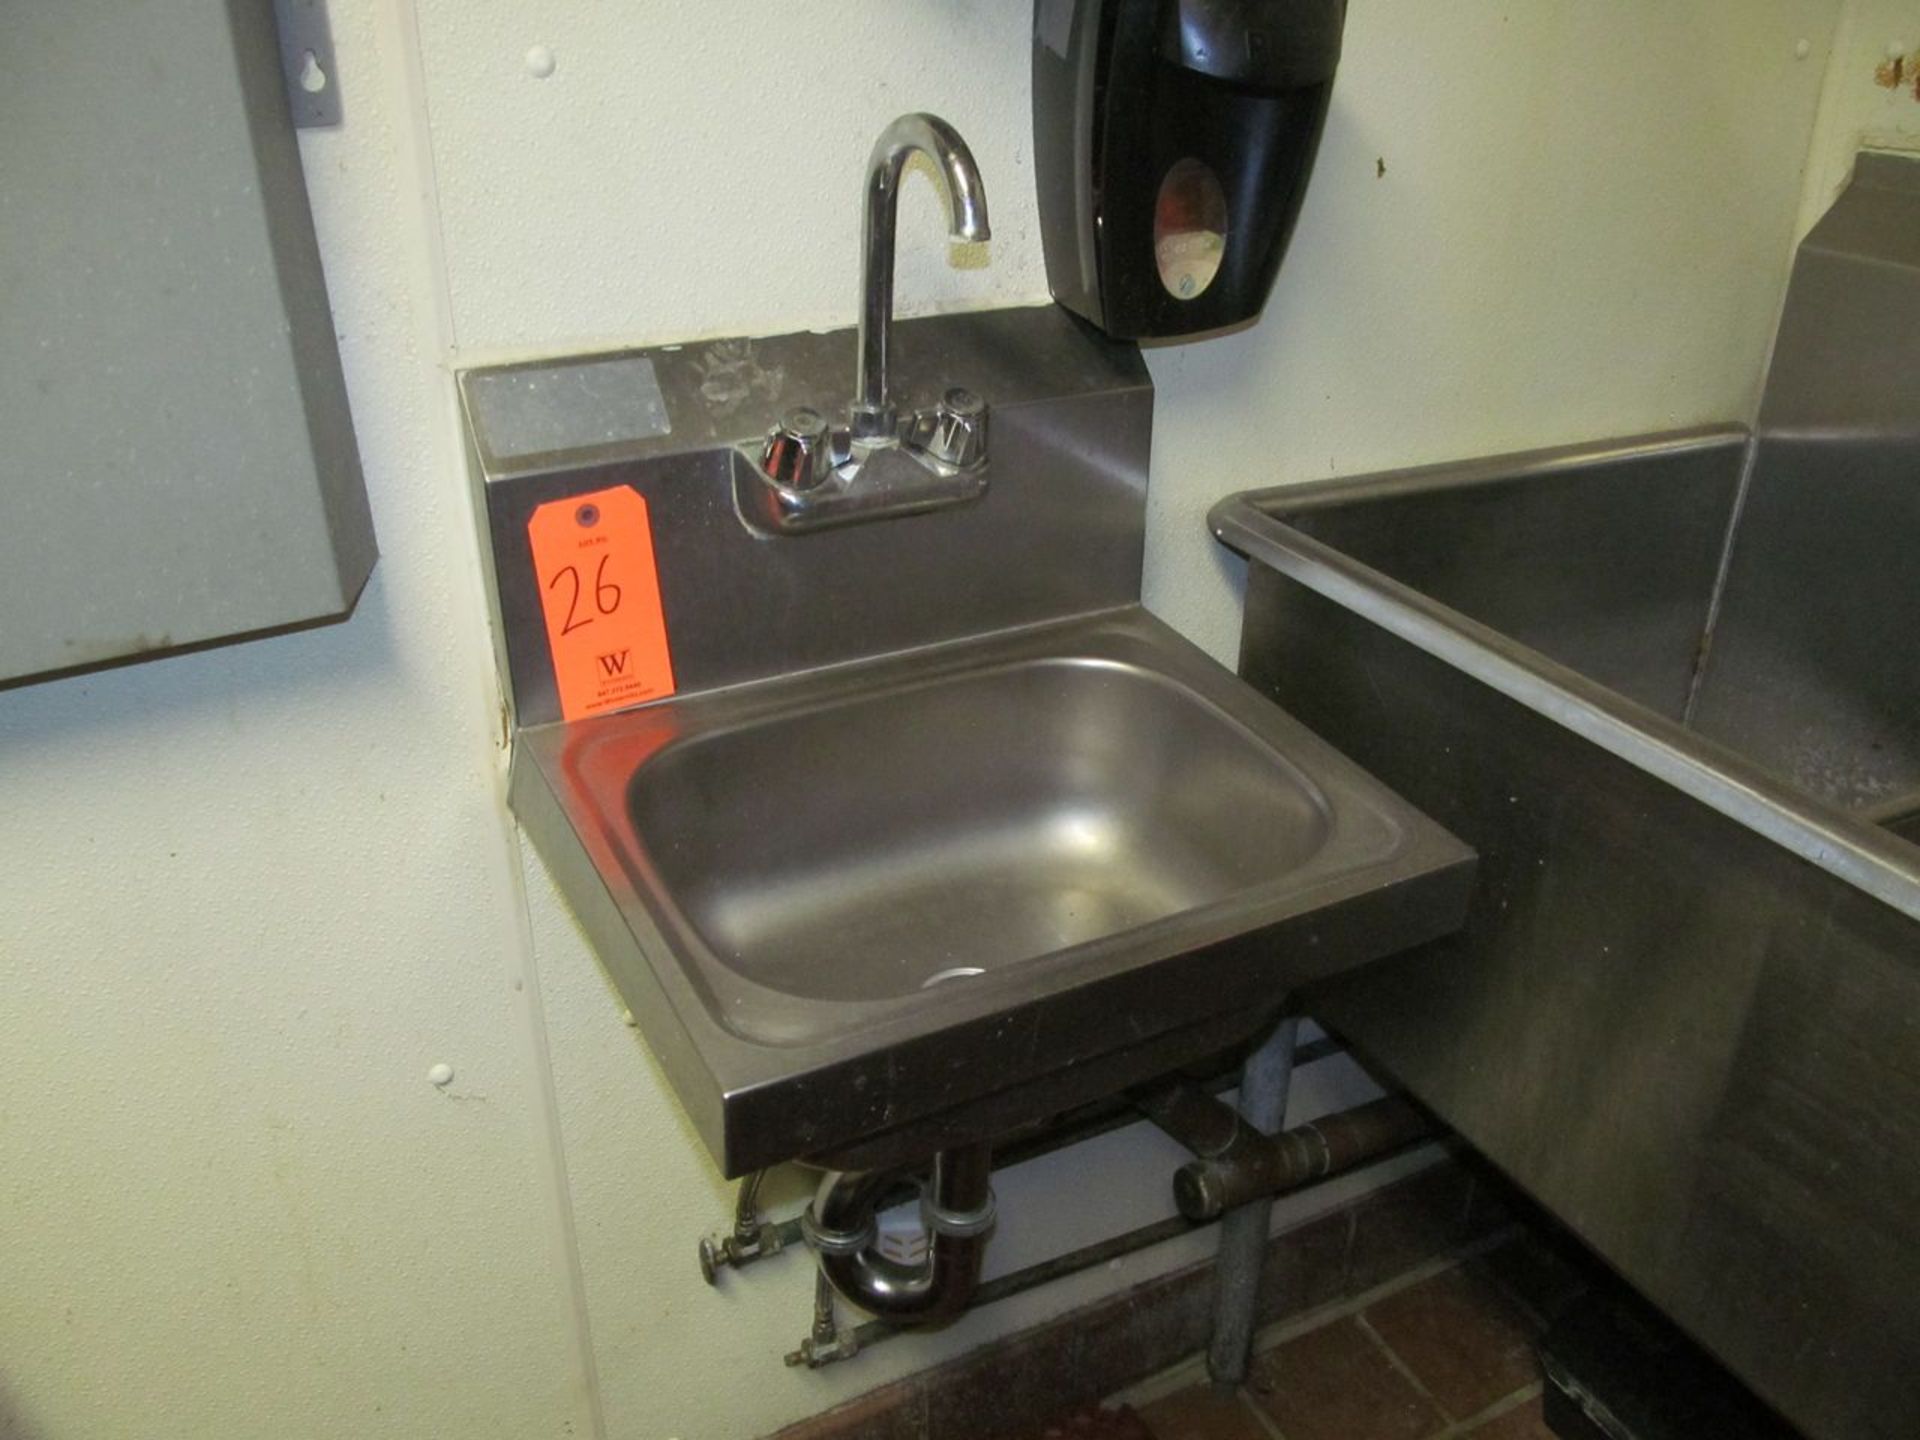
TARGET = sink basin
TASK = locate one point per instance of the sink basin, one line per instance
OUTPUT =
(885, 906)
(961, 827)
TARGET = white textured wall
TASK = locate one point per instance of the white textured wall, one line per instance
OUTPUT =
(248, 897)
(1583, 230)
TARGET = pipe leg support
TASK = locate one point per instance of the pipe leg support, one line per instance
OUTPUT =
(1264, 1085)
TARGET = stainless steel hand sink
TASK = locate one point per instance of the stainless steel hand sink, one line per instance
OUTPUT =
(940, 833)
(921, 898)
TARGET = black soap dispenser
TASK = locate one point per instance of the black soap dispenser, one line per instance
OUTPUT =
(1172, 144)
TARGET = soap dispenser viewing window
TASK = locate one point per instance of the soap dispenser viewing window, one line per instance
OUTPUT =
(1173, 140)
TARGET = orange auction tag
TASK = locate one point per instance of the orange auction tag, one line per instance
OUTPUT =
(600, 592)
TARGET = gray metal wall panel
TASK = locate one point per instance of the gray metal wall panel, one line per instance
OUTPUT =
(178, 464)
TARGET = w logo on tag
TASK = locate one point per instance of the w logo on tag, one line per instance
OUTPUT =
(614, 663)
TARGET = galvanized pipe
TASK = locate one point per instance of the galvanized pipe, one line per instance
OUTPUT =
(1264, 1085)
(1237, 1163)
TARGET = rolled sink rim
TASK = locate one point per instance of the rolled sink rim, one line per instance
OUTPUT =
(1249, 522)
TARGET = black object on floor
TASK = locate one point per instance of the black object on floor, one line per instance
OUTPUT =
(1617, 1370)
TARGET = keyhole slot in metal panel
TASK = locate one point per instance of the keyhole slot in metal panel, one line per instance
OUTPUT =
(306, 55)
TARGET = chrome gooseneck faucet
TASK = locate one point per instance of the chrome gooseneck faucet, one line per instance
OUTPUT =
(812, 473)
(873, 413)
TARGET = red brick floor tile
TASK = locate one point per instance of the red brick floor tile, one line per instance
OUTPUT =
(1202, 1413)
(1465, 1341)
(1525, 1422)
(1335, 1383)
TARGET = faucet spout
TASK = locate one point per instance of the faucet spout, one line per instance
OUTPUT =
(812, 473)
(873, 413)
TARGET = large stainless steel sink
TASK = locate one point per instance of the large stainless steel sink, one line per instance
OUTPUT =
(1667, 687)
(941, 833)
(955, 890)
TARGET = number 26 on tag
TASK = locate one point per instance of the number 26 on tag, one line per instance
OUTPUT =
(600, 596)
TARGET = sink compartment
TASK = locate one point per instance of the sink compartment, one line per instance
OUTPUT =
(1683, 1011)
(945, 831)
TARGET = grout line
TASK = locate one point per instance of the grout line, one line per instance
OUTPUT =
(1191, 1369)
(1260, 1416)
(1294, 1326)
(426, 179)
(399, 31)
(1406, 1370)
(1525, 1395)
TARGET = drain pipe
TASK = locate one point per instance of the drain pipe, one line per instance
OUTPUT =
(1247, 1164)
(957, 1208)
(1264, 1084)
(1242, 1160)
